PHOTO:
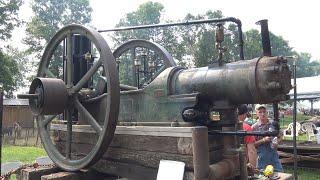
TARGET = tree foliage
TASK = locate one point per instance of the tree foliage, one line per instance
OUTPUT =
(9, 17)
(9, 66)
(9, 74)
(149, 13)
(196, 43)
(50, 16)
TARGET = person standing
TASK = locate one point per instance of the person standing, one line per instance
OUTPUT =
(248, 140)
(266, 146)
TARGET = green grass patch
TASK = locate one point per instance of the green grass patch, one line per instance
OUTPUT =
(304, 173)
(20, 153)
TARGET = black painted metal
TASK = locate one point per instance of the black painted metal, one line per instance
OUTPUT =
(265, 37)
(295, 163)
(1, 111)
(228, 19)
(82, 45)
(244, 133)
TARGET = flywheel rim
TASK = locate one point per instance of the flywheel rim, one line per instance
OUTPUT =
(106, 60)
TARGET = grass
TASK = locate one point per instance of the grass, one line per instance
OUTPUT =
(289, 119)
(305, 173)
(23, 154)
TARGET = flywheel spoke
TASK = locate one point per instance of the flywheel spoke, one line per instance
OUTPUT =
(87, 76)
(48, 120)
(49, 73)
(59, 88)
(69, 59)
(95, 125)
(69, 133)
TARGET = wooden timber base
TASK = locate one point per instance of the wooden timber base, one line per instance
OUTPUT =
(136, 151)
(54, 173)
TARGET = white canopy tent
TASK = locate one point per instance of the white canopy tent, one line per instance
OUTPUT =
(307, 88)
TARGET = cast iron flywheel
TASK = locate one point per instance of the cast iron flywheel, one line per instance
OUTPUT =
(53, 96)
(160, 51)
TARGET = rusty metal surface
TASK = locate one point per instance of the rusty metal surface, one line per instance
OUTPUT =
(200, 152)
(261, 80)
(52, 96)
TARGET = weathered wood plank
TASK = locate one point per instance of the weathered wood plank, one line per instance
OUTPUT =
(134, 130)
(62, 176)
(127, 170)
(143, 157)
(131, 171)
(79, 175)
(36, 173)
(177, 145)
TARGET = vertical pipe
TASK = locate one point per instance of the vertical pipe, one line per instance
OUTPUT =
(243, 163)
(311, 109)
(265, 37)
(240, 40)
(69, 84)
(200, 152)
(1, 111)
(133, 57)
(295, 119)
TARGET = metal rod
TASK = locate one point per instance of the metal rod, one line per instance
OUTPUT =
(295, 120)
(27, 96)
(244, 133)
(69, 134)
(1, 111)
(228, 19)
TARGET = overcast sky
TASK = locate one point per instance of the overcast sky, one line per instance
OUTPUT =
(296, 21)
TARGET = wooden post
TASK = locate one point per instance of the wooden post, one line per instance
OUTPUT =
(27, 136)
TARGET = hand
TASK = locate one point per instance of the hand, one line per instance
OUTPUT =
(267, 139)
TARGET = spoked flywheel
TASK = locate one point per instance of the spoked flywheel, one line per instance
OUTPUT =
(60, 92)
(140, 61)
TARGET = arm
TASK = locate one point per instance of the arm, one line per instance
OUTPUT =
(252, 154)
(266, 139)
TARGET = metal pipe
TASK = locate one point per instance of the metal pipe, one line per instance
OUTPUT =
(265, 37)
(200, 152)
(223, 169)
(244, 133)
(1, 112)
(228, 19)
(28, 96)
(295, 120)
(243, 163)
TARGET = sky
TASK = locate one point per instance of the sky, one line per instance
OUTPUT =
(295, 20)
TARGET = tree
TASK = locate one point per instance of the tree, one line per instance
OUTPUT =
(9, 74)
(147, 13)
(306, 67)
(49, 17)
(9, 68)
(9, 17)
